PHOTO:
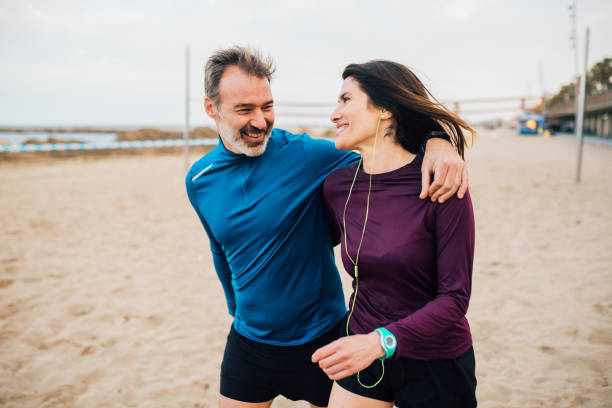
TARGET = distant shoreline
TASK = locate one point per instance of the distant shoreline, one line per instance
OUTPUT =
(92, 129)
(77, 134)
(67, 129)
(136, 133)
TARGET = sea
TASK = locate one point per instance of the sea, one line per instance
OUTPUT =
(20, 137)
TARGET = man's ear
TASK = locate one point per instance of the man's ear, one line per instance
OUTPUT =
(211, 108)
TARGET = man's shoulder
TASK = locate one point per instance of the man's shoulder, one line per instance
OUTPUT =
(343, 173)
(282, 137)
(202, 164)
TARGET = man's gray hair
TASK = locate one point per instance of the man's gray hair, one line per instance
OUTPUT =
(251, 61)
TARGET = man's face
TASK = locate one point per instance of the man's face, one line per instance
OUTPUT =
(245, 113)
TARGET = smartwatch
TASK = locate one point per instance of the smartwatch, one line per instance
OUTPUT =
(433, 134)
(437, 134)
(387, 341)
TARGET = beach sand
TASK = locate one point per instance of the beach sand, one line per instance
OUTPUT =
(108, 296)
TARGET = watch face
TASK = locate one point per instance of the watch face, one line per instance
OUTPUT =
(389, 341)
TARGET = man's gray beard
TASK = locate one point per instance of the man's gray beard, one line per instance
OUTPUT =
(234, 139)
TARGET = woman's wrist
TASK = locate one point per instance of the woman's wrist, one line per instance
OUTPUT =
(374, 340)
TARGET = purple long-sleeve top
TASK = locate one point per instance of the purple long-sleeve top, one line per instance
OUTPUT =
(415, 263)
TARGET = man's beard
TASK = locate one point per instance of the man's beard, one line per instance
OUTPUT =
(240, 143)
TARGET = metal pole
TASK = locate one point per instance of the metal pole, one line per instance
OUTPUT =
(574, 44)
(581, 103)
(574, 38)
(186, 130)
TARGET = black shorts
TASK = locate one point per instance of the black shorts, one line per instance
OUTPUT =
(256, 372)
(417, 383)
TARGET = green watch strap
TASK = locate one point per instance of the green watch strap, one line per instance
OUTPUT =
(387, 341)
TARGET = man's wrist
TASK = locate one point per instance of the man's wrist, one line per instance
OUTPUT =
(434, 134)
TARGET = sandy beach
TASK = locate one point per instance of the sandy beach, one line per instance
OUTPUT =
(108, 296)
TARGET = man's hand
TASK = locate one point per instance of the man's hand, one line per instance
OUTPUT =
(348, 355)
(449, 170)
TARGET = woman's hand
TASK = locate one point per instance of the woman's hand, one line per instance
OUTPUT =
(450, 172)
(348, 355)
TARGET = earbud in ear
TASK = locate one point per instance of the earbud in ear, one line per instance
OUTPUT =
(382, 113)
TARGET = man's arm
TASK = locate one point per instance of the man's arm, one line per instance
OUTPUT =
(223, 272)
(441, 159)
(449, 171)
(219, 260)
(323, 157)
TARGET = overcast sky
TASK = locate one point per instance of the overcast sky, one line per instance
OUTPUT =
(122, 62)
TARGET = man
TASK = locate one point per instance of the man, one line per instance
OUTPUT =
(258, 197)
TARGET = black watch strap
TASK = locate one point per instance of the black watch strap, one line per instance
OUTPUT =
(431, 134)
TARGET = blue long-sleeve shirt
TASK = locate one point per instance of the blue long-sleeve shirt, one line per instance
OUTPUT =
(270, 241)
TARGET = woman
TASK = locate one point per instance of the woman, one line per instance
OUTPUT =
(410, 259)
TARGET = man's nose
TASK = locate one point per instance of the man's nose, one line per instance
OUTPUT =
(258, 120)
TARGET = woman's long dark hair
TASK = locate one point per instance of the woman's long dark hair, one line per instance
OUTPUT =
(394, 87)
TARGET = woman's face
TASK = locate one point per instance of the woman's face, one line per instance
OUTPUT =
(355, 117)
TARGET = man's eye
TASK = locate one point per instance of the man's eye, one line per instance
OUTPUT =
(267, 108)
(345, 99)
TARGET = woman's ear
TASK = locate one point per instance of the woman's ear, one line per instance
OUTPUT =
(385, 114)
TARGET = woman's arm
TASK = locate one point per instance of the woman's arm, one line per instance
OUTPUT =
(348, 355)
(454, 222)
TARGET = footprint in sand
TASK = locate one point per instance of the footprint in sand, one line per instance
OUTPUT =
(80, 309)
(601, 336)
(155, 320)
(5, 283)
(88, 350)
(8, 265)
(601, 309)
(547, 349)
(10, 310)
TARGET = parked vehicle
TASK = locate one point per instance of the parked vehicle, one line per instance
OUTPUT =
(531, 124)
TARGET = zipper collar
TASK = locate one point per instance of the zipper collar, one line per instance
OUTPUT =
(226, 152)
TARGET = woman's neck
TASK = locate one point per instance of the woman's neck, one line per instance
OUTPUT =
(388, 156)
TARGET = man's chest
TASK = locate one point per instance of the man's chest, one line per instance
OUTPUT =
(254, 201)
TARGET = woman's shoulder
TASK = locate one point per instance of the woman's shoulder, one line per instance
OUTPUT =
(455, 208)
